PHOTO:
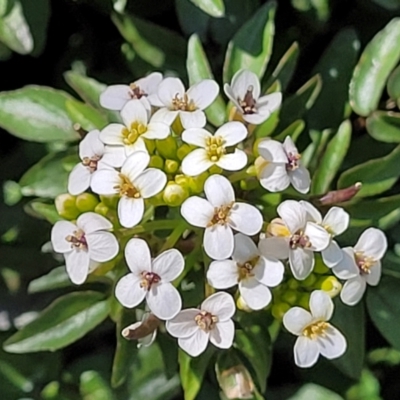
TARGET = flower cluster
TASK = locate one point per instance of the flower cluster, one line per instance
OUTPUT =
(163, 152)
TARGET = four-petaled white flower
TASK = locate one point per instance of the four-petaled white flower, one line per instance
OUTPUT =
(219, 214)
(280, 165)
(151, 279)
(94, 156)
(189, 105)
(250, 269)
(297, 239)
(144, 89)
(336, 221)
(195, 327)
(315, 335)
(133, 184)
(361, 265)
(137, 128)
(84, 244)
(244, 92)
(213, 149)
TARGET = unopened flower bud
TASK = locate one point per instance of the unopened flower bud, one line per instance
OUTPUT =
(156, 162)
(171, 166)
(242, 305)
(167, 148)
(101, 209)
(309, 281)
(150, 146)
(177, 126)
(143, 331)
(250, 184)
(340, 196)
(86, 202)
(289, 296)
(331, 286)
(304, 301)
(174, 195)
(259, 164)
(277, 228)
(110, 201)
(278, 310)
(236, 382)
(183, 151)
(66, 206)
(197, 182)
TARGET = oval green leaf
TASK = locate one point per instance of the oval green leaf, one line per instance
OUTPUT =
(393, 85)
(384, 126)
(57, 278)
(215, 8)
(86, 116)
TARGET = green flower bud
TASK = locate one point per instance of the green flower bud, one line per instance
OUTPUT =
(174, 195)
(101, 209)
(183, 151)
(304, 301)
(66, 206)
(309, 281)
(293, 283)
(215, 170)
(197, 182)
(331, 286)
(171, 166)
(86, 202)
(289, 296)
(249, 184)
(320, 267)
(156, 162)
(278, 310)
(167, 148)
(110, 201)
(150, 145)
(177, 126)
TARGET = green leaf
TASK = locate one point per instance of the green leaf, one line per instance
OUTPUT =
(293, 130)
(57, 278)
(37, 114)
(65, 321)
(376, 176)
(192, 371)
(351, 322)
(86, 116)
(332, 159)
(383, 302)
(94, 387)
(384, 126)
(377, 61)
(335, 68)
(393, 84)
(251, 47)
(198, 68)
(215, 8)
(388, 4)
(42, 210)
(310, 391)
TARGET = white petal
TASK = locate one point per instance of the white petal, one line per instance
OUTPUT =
(130, 211)
(218, 242)
(258, 117)
(222, 335)
(274, 177)
(232, 132)
(183, 324)
(135, 164)
(332, 255)
(333, 345)
(60, 231)
(165, 116)
(245, 249)
(269, 103)
(232, 97)
(203, 93)
(79, 179)
(289, 146)
(115, 97)
(321, 305)
(156, 130)
(91, 222)
(301, 262)
(168, 265)
(137, 256)
(353, 290)
(149, 84)
(220, 304)
(196, 344)
(196, 136)
(91, 145)
(313, 214)
(269, 271)
(193, 119)
(374, 276)
(245, 218)
(104, 181)
(255, 294)
(337, 220)
(113, 156)
(346, 268)
(275, 246)
(112, 134)
(296, 320)
(293, 214)
(219, 191)
(150, 182)
(318, 236)
(243, 81)
(134, 111)
(223, 274)
(272, 150)
(300, 179)
(197, 211)
(233, 161)
(153, 100)
(128, 291)
(196, 162)
(306, 352)
(164, 301)
(102, 246)
(373, 243)
(77, 265)
(168, 89)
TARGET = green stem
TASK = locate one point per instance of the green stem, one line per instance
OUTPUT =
(149, 227)
(238, 176)
(175, 235)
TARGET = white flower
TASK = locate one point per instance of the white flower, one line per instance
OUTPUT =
(151, 279)
(335, 222)
(297, 240)
(213, 149)
(244, 92)
(189, 105)
(315, 335)
(361, 265)
(94, 156)
(133, 184)
(252, 271)
(137, 128)
(83, 244)
(219, 214)
(144, 89)
(281, 166)
(195, 327)
(144, 331)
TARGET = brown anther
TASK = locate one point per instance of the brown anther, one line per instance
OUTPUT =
(246, 269)
(136, 92)
(126, 188)
(91, 162)
(316, 329)
(149, 279)
(221, 215)
(299, 239)
(183, 104)
(293, 161)
(248, 103)
(77, 240)
(206, 321)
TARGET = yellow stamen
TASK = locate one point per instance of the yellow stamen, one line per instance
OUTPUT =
(316, 329)
(126, 188)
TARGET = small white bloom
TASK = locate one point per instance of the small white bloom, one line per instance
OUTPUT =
(189, 105)
(361, 265)
(84, 244)
(195, 327)
(335, 222)
(244, 92)
(315, 335)
(281, 166)
(94, 156)
(213, 149)
(298, 239)
(144, 89)
(151, 279)
(133, 184)
(219, 214)
(253, 272)
(137, 128)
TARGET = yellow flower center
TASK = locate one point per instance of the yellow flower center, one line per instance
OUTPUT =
(246, 269)
(183, 103)
(364, 263)
(91, 162)
(316, 329)
(77, 240)
(205, 320)
(215, 148)
(126, 188)
(277, 228)
(131, 134)
(221, 215)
